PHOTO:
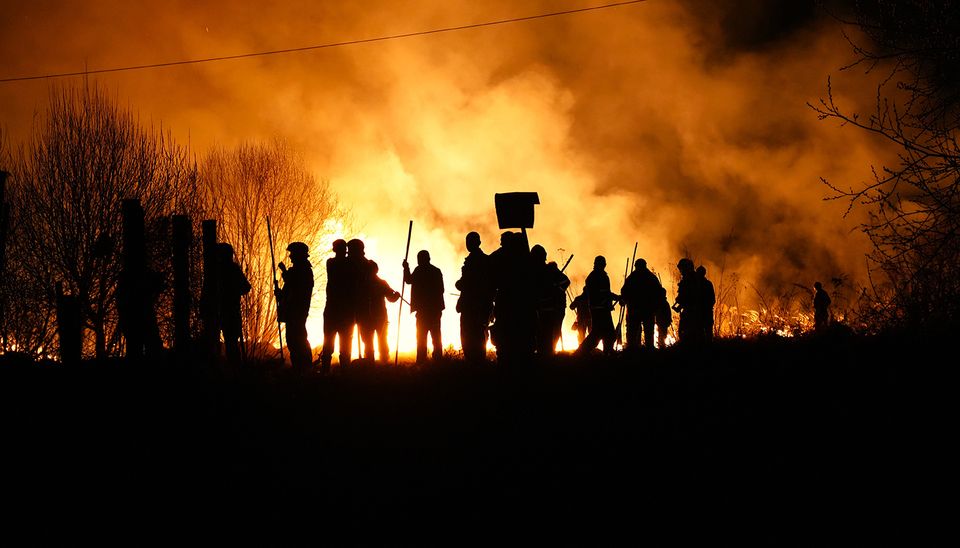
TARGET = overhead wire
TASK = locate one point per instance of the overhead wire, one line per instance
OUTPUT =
(320, 46)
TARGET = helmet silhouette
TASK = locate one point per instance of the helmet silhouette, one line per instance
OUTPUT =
(298, 248)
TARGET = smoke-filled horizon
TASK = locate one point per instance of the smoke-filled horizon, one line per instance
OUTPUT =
(677, 125)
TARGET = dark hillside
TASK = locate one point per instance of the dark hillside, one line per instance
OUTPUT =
(806, 441)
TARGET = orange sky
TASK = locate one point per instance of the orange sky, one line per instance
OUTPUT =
(675, 124)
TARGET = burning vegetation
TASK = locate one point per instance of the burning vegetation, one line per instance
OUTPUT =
(685, 132)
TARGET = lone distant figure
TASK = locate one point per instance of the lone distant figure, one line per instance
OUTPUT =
(601, 302)
(293, 301)
(233, 285)
(426, 300)
(821, 308)
(475, 303)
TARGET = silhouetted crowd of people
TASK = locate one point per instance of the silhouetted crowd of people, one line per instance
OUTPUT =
(513, 298)
(356, 300)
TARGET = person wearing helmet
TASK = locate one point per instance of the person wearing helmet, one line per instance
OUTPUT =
(338, 311)
(293, 299)
(602, 300)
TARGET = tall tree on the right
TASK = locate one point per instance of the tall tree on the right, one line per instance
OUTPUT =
(913, 200)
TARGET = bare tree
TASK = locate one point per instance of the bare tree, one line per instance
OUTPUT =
(913, 202)
(86, 155)
(243, 186)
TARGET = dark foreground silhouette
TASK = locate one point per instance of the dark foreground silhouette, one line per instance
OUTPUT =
(813, 441)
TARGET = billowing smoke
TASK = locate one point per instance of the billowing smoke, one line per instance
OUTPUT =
(678, 125)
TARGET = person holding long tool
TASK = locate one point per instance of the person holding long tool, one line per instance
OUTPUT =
(294, 300)
(426, 299)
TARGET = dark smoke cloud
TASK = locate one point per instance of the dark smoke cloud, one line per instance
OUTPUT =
(679, 125)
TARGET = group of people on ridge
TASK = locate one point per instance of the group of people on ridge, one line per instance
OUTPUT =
(512, 297)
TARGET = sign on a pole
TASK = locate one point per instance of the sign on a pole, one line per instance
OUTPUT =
(515, 209)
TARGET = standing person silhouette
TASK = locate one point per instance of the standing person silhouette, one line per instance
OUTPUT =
(641, 294)
(362, 277)
(475, 303)
(581, 308)
(293, 301)
(514, 309)
(338, 315)
(689, 303)
(233, 285)
(426, 300)
(601, 301)
(380, 291)
(663, 318)
(550, 287)
(821, 308)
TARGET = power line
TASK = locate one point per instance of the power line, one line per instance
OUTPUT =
(321, 46)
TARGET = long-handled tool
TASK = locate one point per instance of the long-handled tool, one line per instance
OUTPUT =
(630, 268)
(403, 285)
(620, 320)
(276, 286)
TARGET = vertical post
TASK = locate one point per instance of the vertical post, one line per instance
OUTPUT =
(133, 270)
(182, 241)
(210, 292)
(4, 224)
(69, 327)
